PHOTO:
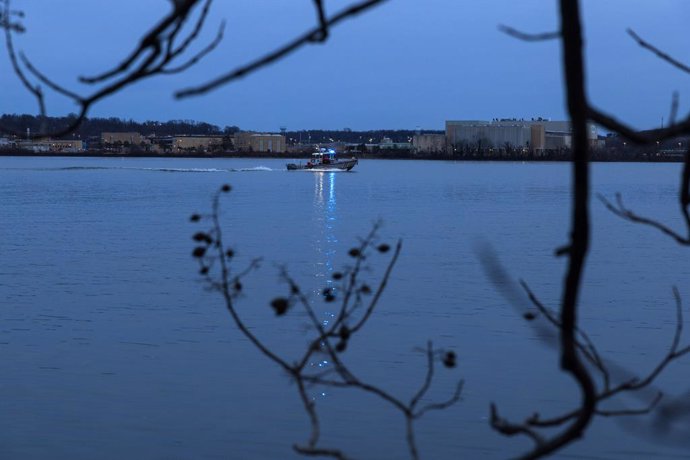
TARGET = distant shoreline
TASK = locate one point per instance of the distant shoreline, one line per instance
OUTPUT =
(596, 157)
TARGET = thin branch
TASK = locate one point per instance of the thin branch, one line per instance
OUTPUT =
(308, 37)
(323, 22)
(212, 250)
(48, 82)
(200, 55)
(455, 397)
(428, 377)
(381, 288)
(632, 384)
(175, 52)
(529, 37)
(621, 211)
(660, 54)
(310, 449)
(628, 412)
(573, 64)
(610, 122)
(226, 292)
(155, 55)
(9, 42)
(588, 349)
(180, 11)
(506, 428)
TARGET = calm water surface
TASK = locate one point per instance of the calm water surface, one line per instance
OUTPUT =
(111, 348)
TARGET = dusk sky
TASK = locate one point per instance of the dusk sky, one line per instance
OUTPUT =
(407, 63)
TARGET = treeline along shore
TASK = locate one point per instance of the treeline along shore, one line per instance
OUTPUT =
(114, 137)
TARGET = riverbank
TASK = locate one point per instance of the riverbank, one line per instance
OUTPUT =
(597, 156)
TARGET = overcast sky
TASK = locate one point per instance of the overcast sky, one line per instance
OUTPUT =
(407, 63)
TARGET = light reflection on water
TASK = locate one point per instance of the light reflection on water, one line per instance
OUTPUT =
(326, 216)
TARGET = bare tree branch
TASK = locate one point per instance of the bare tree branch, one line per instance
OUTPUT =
(323, 22)
(281, 52)
(621, 211)
(152, 40)
(156, 54)
(331, 341)
(528, 37)
(660, 54)
(9, 43)
(648, 137)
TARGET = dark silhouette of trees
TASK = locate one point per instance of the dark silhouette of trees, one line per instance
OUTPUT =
(93, 127)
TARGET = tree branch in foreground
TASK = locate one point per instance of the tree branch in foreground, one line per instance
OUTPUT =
(528, 37)
(354, 301)
(658, 52)
(609, 384)
(158, 53)
(313, 35)
(623, 212)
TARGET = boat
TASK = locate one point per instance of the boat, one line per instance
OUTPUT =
(324, 160)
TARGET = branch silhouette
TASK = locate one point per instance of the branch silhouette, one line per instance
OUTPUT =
(355, 301)
(157, 54)
(317, 34)
(658, 52)
(623, 212)
(576, 349)
(160, 51)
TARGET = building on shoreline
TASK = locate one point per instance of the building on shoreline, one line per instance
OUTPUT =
(429, 143)
(536, 135)
(248, 141)
(196, 143)
(122, 138)
(51, 145)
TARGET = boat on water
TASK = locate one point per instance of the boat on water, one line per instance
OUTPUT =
(324, 160)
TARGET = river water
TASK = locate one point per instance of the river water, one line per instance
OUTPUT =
(112, 348)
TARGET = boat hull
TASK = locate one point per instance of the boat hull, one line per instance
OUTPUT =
(342, 165)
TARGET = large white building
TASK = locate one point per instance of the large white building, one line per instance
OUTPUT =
(534, 135)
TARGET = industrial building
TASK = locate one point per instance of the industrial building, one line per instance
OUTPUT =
(196, 143)
(260, 142)
(535, 135)
(429, 143)
(122, 138)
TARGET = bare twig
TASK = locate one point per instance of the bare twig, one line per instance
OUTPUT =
(529, 37)
(212, 254)
(310, 36)
(648, 137)
(323, 22)
(627, 412)
(9, 43)
(660, 54)
(574, 72)
(621, 211)
(156, 54)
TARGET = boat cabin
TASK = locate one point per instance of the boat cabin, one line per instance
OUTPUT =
(323, 157)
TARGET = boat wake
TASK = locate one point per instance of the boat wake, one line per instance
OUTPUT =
(254, 169)
(132, 168)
